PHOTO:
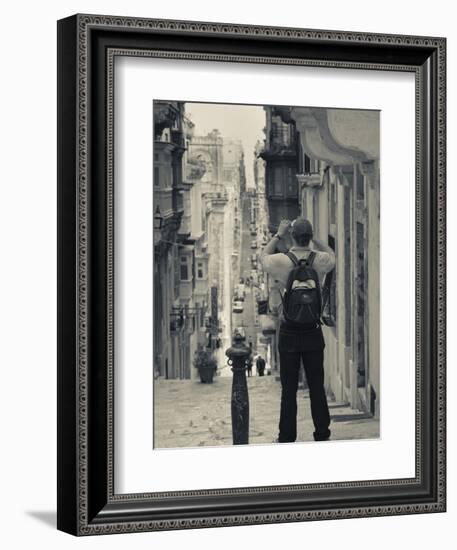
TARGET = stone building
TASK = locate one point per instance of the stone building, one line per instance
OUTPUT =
(267, 340)
(197, 183)
(187, 188)
(193, 259)
(169, 148)
(280, 153)
(234, 176)
(339, 193)
(223, 163)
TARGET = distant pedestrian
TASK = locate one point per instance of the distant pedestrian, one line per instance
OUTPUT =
(249, 366)
(300, 273)
(260, 365)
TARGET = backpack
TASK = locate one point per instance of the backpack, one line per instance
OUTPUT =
(302, 299)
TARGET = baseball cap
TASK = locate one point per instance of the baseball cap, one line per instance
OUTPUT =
(301, 226)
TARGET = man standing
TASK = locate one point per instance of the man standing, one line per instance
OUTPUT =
(297, 344)
(260, 365)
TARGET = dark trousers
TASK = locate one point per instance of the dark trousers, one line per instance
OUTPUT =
(295, 348)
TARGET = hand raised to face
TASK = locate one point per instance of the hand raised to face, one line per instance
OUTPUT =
(284, 227)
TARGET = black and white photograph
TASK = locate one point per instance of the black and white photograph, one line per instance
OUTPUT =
(266, 277)
(227, 235)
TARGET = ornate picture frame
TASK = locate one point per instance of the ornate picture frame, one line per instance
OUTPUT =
(87, 47)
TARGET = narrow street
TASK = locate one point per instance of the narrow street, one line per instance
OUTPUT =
(188, 413)
(248, 318)
(229, 194)
(191, 414)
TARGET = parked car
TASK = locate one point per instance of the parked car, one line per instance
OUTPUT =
(240, 292)
(254, 260)
(238, 306)
(254, 244)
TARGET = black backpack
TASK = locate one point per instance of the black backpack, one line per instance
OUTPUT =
(302, 299)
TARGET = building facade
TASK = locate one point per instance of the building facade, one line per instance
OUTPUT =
(267, 344)
(234, 177)
(338, 191)
(280, 153)
(180, 249)
(219, 202)
(169, 148)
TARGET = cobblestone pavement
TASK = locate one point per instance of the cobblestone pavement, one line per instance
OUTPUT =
(191, 414)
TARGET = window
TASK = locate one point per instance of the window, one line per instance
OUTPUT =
(291, 183)
(360, 188)
(278, 181)
(200, 270)
(307, 164)
(184, 268)
(204, 216)
(156, 176)
(361, 299)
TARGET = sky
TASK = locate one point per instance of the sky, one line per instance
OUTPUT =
(243, 122)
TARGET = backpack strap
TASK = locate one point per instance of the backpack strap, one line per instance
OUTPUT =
(292, 258)
(295, 262)
(310, 258)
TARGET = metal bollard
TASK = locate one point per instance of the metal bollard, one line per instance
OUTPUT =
(237, 359)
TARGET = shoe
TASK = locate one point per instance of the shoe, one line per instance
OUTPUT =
(322, 437)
